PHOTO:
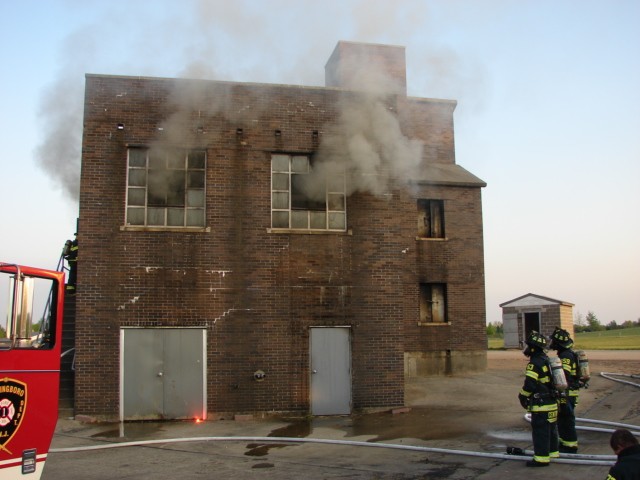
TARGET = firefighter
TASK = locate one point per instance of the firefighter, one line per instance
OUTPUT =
(71, 256)
(561, 342)
(626, 447)
(538, 395)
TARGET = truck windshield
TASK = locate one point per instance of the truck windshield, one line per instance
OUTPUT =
(26, 313)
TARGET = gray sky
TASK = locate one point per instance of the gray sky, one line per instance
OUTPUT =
(548, 114)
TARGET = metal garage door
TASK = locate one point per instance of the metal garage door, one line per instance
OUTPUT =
(163, 373)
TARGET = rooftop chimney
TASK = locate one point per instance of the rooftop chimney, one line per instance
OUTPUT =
(366, 66)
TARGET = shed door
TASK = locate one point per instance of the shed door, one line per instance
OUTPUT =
(163, 373)
(510, 329)
(330, 371)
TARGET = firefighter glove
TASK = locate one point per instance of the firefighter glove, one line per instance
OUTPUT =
(524, 401)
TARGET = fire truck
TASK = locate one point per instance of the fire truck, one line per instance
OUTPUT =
(31, 306)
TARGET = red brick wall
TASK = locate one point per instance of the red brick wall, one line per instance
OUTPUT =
(258, 292)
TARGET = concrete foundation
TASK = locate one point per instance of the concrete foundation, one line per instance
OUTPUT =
(445, 362)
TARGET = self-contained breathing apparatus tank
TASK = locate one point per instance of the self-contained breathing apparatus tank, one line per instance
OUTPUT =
(584, 373)
(66, 250)
(557, 374)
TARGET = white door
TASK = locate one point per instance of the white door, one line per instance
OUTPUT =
(330, 356)
(510, 329)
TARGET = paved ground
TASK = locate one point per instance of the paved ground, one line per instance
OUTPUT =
(472, 413)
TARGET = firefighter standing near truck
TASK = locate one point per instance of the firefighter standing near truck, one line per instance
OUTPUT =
(539, 396)
(561, 342)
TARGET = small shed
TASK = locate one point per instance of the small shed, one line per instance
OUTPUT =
(534, 312)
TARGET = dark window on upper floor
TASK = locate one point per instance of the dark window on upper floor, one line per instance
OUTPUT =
(301, 201)
(431, 218)
(166, 187)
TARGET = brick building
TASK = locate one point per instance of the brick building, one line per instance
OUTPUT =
(256, 248)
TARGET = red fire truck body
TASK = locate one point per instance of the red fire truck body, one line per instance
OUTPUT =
(30, 349)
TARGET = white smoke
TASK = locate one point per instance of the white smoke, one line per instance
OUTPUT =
(246, 41)
(369, 146)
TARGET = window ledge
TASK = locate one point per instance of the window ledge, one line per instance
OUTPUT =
(430, 239)
(302, 231)
(434, 324)
(141, 228)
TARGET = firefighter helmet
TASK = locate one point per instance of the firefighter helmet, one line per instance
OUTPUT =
(536, 339)
(561, 337)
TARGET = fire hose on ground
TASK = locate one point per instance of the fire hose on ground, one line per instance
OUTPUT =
(516, 453)
(502, 456)
(611, 376)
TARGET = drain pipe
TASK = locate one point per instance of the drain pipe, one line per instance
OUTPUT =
(501, 456)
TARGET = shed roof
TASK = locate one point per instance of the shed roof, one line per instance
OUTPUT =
(534, 299)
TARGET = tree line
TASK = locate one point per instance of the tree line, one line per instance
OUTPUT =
(590, 323)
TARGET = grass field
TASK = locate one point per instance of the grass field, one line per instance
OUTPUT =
(622, 339)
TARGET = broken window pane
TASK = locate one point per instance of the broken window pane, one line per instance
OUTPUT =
(157, 159)
(305, 195)
(175, 189)
(175, 159)
(195, 179)
(196, 160)
(335, 183)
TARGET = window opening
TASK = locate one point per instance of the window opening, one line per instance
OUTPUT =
(166, 187)
(430, 218)
(302, 200)
(433, 303)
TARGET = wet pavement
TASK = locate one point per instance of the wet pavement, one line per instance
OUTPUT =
(475, 413)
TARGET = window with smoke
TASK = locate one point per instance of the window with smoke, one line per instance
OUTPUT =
(303, 198)
(166, 187)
